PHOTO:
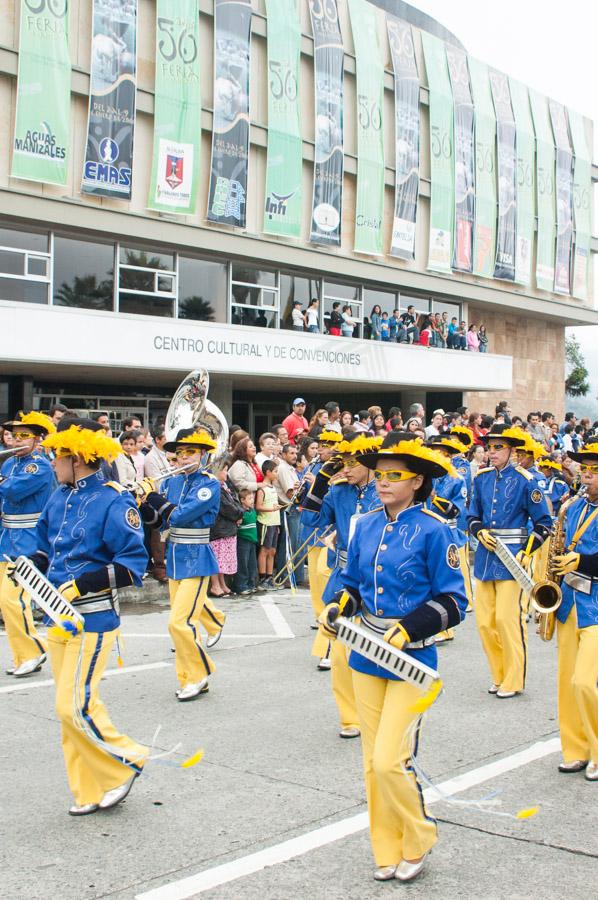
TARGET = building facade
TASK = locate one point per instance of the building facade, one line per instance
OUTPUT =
(105, 304)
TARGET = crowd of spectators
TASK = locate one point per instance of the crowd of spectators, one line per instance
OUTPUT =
(410, 327)
(258, 522)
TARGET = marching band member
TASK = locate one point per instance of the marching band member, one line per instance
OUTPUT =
(449, 500)
(188, 513)
(353, 495)
(577, 625)
(89, 544)
(26, 483)
(310, 504)
(505, 497)
(403, 578)
(557, 488)
(527, 453)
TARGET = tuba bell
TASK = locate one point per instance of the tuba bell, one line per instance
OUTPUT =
(190, 408)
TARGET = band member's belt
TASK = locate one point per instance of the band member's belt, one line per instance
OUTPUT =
(452, 522)
(341, 558)
(92, 603)
(581, 583)
(379, 625)
(20, 520)
(189, 536)
(511, 535)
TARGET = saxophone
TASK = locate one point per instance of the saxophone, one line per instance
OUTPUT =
(546, 595)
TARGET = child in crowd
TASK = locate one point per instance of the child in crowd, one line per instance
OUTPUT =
(246, 578)
(384, 327)
(268, 517)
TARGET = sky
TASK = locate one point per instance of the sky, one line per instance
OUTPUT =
(553, 47)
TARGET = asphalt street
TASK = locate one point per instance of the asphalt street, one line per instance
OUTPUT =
(275, 809)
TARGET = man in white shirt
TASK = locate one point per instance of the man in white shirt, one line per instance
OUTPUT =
(267, 442)
(435, 424)
(288, 479)
(156, 462)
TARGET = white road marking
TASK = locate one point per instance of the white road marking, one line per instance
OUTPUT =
(276, 618)
(126, 670)
(312, 840)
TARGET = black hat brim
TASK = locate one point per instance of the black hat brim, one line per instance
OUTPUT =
(580, 456)
(37, 430)
(416, 464)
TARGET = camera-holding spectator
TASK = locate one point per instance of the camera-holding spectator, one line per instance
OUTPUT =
(268, 519)
(244, 473)
(246, 580)
(408, 328)
(223, 533)
(349, 323)
(296, 423)
(472, 339)
(297, 316)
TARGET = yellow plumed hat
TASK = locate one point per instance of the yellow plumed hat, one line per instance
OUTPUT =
(329, 437)
(445, 442)
(463, 434)
(548, 463)
(89, 444)
(37, 421)
(360, 444)
(414, 453)
(187, 436)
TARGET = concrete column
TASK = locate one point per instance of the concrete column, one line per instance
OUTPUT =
(221, 393)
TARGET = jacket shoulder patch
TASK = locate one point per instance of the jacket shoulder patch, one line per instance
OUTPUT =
(485, 469)
(209, 475)
(524, 472)
(116, 487)
(370, 512)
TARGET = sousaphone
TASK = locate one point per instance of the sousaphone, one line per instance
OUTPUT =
(190, 408)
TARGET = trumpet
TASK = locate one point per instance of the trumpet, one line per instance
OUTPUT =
(10, 451)
(299, 556)
(300, 485)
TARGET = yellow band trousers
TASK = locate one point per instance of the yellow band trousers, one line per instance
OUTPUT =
(399, 825)
(211, 619)
(342, 685)
(578, 689)
(91, 771)
(187, 600)
(23, 639)
(501, 617)
(319, 573)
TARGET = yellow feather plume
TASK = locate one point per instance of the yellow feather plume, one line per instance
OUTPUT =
(200, 437)
(417, 449)
(329, 437)
(90, 445)
(37, 418)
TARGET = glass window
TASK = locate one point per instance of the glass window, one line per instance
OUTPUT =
(145, 305)
(260, 318)
(83, 274)
(23, 291)
(453, 309)
(202, 290)
(12, 263)
(24, 240)
(384, 299)
(147, 259)
(246, 295)
(250, 275)
(342, 291)
(293, 288)
(422, 304)
(38, 265)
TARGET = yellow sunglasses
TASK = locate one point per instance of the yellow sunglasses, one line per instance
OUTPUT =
(188, 451)
(351, 463)
(22, 435)
(393, 475)
(586, 467)
(493, 445)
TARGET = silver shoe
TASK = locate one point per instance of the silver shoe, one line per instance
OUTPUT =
(29, 667)
(407, 871)
(191, 691)
(84, 810)
(506, 695)
(213, 639)
(10, 671)
(385, 873)
(592, 771)
(116, 795)
(568, 768)
(493, 689)
(324, 664)
(350, 732)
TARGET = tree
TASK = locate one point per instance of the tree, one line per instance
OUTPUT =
(86, 293)
(577, 381)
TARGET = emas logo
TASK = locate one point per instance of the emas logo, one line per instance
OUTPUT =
(104, 172)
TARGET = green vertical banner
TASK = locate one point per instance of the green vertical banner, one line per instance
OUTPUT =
(369, 213)
(42, 124)
(177, 111)
(582, 207)
(545, 174)
(284, 165)
(442, 166)
(485, 167)
(526, 150)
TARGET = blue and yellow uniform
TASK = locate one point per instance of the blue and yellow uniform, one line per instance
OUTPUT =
(342, 505)
(503, 501)
(89, 544)
(188, 510)
(450, 502)
(26, 484)
(463, 467)
(403, 570)
(577, 636)
(557, 490)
